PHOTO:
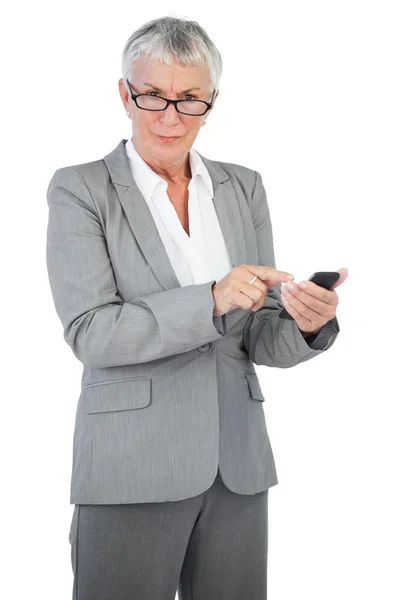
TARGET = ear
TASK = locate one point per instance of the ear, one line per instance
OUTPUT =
(123, 92)
(211, 109)
(213, 103)
(214, 99)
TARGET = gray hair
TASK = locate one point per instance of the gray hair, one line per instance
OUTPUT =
(169, 37)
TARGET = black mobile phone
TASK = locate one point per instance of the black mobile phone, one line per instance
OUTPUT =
(325, 279)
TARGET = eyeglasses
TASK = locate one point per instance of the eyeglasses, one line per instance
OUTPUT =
(186, 107)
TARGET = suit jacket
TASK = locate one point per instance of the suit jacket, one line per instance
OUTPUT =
(168, 391)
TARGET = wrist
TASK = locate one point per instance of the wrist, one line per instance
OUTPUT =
(307, 334)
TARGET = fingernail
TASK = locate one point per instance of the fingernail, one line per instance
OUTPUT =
(290, 276)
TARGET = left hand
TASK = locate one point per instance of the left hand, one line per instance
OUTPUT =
(313, 306)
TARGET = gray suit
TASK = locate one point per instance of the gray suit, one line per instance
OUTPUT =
(168, 391)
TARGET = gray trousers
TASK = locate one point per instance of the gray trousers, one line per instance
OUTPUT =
(210, 547)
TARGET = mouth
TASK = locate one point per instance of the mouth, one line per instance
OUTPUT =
(164, 138)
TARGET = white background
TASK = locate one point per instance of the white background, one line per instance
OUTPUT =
(309, 98)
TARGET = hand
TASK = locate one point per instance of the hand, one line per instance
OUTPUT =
(312, 306)
(235, 291)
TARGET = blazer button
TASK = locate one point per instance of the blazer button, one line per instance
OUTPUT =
(203, 348)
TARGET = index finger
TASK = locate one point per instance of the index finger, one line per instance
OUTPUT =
(270, 274)
(327, 296)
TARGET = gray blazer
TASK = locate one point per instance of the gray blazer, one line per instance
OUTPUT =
(168, 392)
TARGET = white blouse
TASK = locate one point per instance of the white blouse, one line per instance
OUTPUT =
(202, 256)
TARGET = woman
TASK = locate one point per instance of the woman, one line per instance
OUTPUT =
(162, 270)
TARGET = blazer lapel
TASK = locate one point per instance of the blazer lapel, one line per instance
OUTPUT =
(145, 230)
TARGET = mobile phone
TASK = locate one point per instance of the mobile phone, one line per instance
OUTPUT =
(325, 279)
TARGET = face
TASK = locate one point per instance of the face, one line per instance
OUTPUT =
(147, 125)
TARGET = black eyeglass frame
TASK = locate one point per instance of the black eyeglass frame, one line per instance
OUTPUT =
(174, 102)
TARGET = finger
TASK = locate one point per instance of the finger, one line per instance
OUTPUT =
(313, 317)
(253, 290)
(343, 273)
(326, 296)
(261, 302)
(270, 275)
(247, 288)
(311, 302)
(303, 323)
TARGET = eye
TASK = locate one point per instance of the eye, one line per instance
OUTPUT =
(191, 97)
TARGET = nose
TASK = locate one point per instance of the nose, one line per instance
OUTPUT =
(170, 115)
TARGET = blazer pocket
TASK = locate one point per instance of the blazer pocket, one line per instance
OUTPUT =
(124, 394)
(254, 386)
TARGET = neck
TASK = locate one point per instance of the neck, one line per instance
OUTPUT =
(176, 172)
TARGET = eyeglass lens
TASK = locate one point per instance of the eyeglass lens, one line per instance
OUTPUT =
(190, 107)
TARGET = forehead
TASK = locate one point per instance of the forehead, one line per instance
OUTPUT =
(169, 78)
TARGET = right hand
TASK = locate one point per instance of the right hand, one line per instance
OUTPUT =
(235, 291)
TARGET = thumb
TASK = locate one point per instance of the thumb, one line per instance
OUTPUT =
(343, 276)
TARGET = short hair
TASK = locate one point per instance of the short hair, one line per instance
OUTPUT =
(168, 37)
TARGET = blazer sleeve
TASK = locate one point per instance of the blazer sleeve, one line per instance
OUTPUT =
(101, 329)
(268, 339)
